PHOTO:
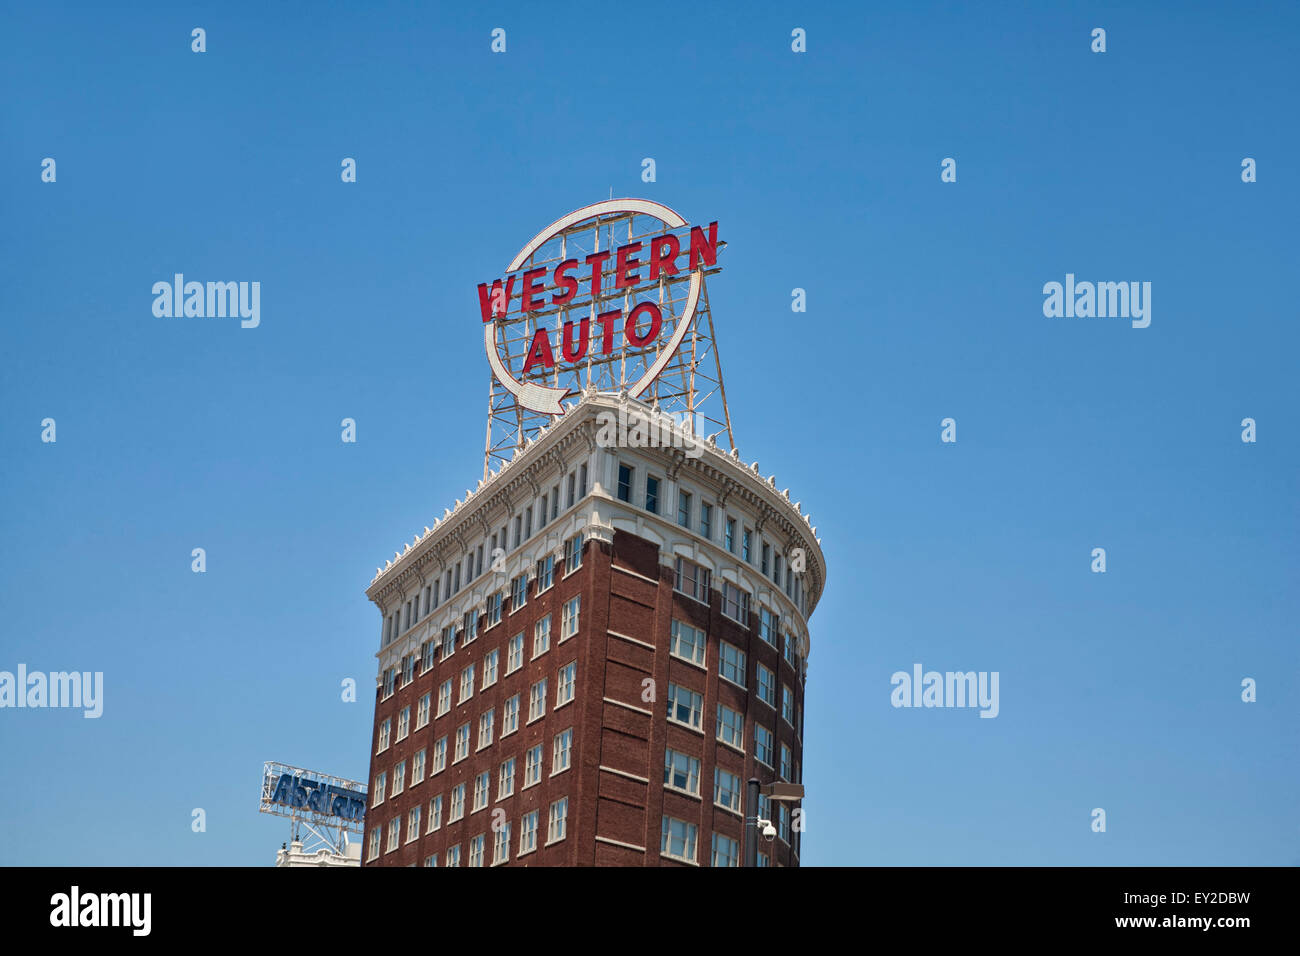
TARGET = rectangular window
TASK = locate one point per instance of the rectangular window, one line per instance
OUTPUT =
(685, 706)
(518, 531)
(506, 779)
(448, 641)
(652, 494)
(776, 570)
(726, 789)
(735, 603)
(373, 852)
(422, 711)
(730, 535)
(570, 490)
(469, 629)
(527, 833)
(686, 642)
(494, 602)
(408, 669)
(731, 727)
(726, 851)
(766, 558)
(491, 664)
(515, 653)
(390, 682)
(745, 551)
(403, 723)
(453, 855)
(542, 636)
(766, 686)
(481, 784)
(706, 520)
(485, 722)
(427, 652)
(379, 789)
(684, 509)
(394, 832)
(787, 704)
(431, 860)
(767, 625)
(417, 768)
(566, 683)
(532, 766)
(791, 653)
(501, 845)
(476, 849)
(555, 501)
(462, 742)
(625, 483)
(444, 697)
(413, 824)
(537, 700)
(678, 841)
(731, 663)
(440, 755)
(518, 592)
(573, 554)
(466, 684)
(457, 808)
(385, 732)
(528, 523)
(510, 716)
(681, 772)
(399, 779)
(557, 826)
(561, 751)
(692, 580)
(763, 744)
(545, 573)
(582, 480)
(435, 813)
(786, 760)
(569, 617)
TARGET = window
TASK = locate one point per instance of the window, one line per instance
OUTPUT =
(681, 772)
(573, 554)
(394, 832)
(431, 860)
(413, 824)
(731, 727)
(767, 625)
(510, 716)
(570, 490)
(731, 663)
(735, 603)
(783, 822)
(565, 683)
(519, 530)
(379, 789)
(528, 523)
(528, 833)
(706, 520)
(726, 851)
(408, 669)
(763, 744)
(791, 650)
(745, 550)
(763, 859)
(435, 813)
(501, 845)
(440, 755)
(582, 480)
(399, 778)
(787, 704)
(457, 809)
(476, 848)
(466, 684)
(417, 768)
(557, 826)
(485, 721)
(555, 501)
(537, 700)
(730, 535)
(427, 651)
(385, 731)
(481, 784)
(448, 641)
(469, 627)
(506, 779)
(766, 686)
(692, 580)
(403, 723)
(545, 573)
(685, 706)
(726, 789)
(684, 509)
(422, 711)
(776, 570)
(562, 751)
(569, 617)
(786, 763)
(766, 558)
(491, 664)
(453, 855)
(373, 852)
(686, 642)
(532, 766)
(494, 609)
(542, 636)
(678, 840)
(652, 494)
(515, 653)
(624, 483)
(518, 592)
(462, 742)
(444, 697)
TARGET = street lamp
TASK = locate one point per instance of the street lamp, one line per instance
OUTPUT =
(789, 792)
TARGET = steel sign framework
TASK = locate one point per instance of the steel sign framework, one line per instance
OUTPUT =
(652, 338)
(328, 808)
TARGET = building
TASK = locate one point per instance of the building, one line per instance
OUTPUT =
(634, 653)
(295, 854)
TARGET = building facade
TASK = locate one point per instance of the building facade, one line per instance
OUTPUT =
(584, 661)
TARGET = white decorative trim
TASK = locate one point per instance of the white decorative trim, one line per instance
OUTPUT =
(619, 567)
(628, 846)
(633, 640)
(619, 703)
(624, 773)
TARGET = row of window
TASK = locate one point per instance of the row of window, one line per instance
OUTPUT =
(771, 563)
(557, 827)
(513, 533)
(686, 707)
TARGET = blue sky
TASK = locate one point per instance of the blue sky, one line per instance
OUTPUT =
(1118, 690)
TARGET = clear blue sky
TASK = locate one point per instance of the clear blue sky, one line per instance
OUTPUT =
(1119, 691)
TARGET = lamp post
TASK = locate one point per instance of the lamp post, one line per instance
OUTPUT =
(790, 792)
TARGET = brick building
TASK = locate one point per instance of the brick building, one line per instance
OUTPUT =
(584, 661)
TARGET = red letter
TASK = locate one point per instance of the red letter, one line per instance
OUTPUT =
(629, 327)
(704, 248)
(622, 278)
(584, 335)
(659, 260)
(569, 283)
(527, 303)
(606, 319)
(540, 351)
(495, 305)
(596, 260)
